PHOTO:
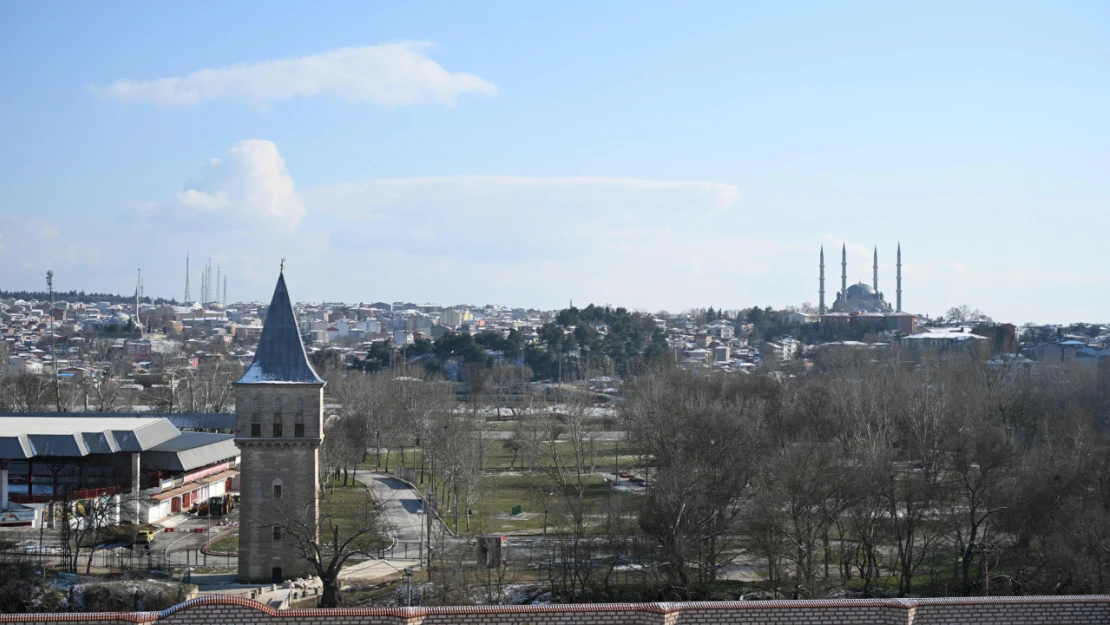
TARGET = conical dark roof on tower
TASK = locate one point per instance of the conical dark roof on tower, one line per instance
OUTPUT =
(280, 358)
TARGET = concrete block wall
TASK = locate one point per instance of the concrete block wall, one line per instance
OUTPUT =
(1055, 610)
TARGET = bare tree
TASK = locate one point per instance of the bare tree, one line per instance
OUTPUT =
(326, 544)
(704, 435)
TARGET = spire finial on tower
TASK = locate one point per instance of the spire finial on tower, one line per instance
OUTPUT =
(282, 264)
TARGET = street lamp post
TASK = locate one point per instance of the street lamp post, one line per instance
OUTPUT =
(985, 551)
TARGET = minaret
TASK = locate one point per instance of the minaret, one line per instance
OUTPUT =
(876, 270)
(821, 293)
(186, 279)
(844, 272)
(138, 281)
(899, 286)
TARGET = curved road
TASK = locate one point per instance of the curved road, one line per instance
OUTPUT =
(402, 506)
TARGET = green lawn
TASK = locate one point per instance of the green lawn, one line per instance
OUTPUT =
(350, 508)
(499, 455)
(226, 544)
(502, 492)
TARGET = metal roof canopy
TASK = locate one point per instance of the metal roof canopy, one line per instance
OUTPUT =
(180, 420)
(23, 437)
(191, 450)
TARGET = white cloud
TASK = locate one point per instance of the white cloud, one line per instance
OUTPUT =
(49, 232)
(250, 183)
(201, 200)
(3, 246)
(512, 219)
(389, 75)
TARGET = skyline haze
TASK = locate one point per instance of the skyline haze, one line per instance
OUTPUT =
(635, 154)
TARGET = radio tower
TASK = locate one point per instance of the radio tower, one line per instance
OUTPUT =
(187, 296)
(225, 289)
(217, 295)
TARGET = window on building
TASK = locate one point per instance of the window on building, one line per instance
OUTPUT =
(277, 532)
(256, 405)
(277, 491)
(277, 404)
(300, 406)
(298, 429)
(256, 430)
(277, 430)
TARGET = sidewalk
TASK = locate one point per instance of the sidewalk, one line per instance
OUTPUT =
(373, 570)
(363, 572)
(173, 521)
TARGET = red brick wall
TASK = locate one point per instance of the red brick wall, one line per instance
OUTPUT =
(1092, 610)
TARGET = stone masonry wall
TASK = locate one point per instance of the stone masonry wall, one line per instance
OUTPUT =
(290, 459)
(1055, 610)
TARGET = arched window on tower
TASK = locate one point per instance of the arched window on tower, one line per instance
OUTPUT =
(276, 487)
(256, 417)
(298, 419)
(277, 418)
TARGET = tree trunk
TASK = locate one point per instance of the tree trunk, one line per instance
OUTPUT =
(330, 597)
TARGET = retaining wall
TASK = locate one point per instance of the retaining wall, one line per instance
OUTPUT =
(1054, 610)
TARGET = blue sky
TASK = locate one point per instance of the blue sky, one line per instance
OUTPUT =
(653, 155)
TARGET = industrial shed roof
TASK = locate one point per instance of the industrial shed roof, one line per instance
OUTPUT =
(191, 450)
(23, 437)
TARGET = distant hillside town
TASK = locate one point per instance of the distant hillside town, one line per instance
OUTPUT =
(145, 347)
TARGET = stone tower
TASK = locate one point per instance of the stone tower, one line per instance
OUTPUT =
(279, 418)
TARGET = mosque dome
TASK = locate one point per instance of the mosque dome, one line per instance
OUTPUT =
(860, 291)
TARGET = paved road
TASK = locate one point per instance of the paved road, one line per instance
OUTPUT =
(182, 545)
(401, 505)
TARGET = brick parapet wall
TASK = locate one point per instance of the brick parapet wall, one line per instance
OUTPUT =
(1094, 609)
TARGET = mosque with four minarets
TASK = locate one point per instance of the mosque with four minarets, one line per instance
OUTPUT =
(864, 304)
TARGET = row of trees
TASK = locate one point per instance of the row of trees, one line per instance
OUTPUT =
(207, 388)
(908, 478)
(890, 477)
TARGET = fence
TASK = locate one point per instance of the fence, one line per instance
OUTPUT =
(177, 565)
(400, 550)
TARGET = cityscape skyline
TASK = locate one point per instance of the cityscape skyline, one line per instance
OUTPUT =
(630, 153)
